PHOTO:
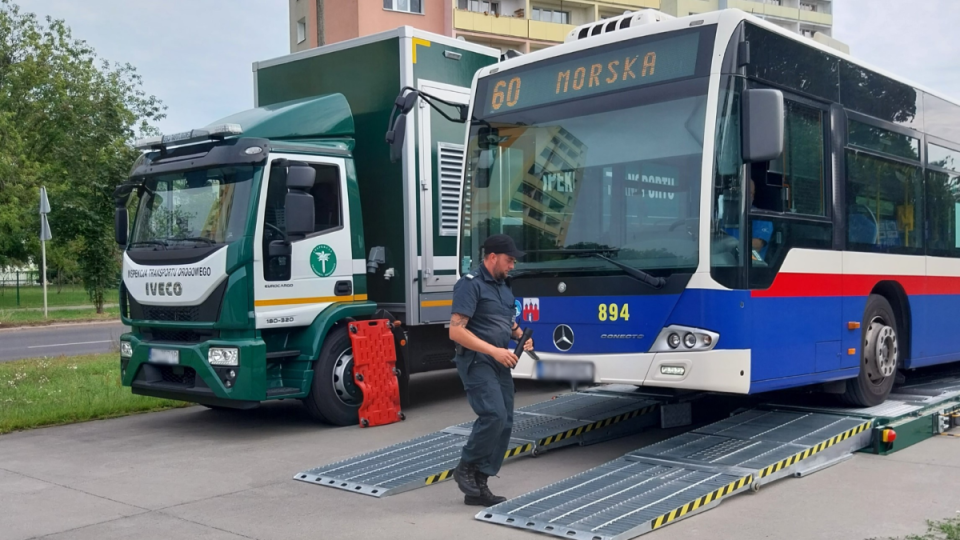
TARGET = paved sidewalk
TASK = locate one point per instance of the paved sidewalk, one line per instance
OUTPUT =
(197, 473)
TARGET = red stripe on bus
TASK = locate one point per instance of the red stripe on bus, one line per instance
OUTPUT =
(813, 285)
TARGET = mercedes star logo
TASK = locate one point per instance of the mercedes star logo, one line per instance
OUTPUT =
(563, 337)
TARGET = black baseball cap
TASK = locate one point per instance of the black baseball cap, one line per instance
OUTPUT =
(501, 244)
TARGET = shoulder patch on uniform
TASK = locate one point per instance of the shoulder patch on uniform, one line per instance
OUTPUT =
(469, 276)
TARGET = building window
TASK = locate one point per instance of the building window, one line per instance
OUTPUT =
(551, 15)
(408, 6)
(301, 30)
(807, 7)
(479, 6)
(774, 2)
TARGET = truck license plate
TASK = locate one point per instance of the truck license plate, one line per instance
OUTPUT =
(164, 356)
(565, 371)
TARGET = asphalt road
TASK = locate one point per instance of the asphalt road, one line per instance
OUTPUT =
(197, 473)
(66, 339)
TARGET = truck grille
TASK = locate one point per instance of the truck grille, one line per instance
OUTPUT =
(160, 313)
(178, 335)
(181, 376)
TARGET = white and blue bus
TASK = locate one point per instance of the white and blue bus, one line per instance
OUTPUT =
(714, 203)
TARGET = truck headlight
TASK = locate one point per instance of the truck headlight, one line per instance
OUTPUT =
(223, 356)
(126, 349)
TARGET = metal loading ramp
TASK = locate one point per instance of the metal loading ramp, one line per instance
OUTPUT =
(682, 476)
(576, 418)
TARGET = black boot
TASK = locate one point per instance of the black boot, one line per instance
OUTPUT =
(486, 498)
(465, 477)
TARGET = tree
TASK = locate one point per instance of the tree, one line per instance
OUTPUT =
(67, 120)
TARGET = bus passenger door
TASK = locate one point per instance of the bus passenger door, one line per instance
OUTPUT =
(794, 272)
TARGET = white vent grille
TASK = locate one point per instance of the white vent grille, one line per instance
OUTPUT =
(627, 20)
(450, 169)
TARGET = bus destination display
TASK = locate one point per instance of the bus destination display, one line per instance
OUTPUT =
(637, 65)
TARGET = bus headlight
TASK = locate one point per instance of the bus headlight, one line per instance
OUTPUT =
(693, 340)
(223, 356)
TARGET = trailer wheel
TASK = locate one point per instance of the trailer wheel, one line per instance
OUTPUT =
(334, 396)
(879, 355)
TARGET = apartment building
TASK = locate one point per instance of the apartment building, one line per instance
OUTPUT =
(806, 17)
(523, 25)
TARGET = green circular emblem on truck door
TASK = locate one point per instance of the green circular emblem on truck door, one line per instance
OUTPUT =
(323, 260)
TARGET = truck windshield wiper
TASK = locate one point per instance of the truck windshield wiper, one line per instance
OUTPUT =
(149, 243)
(653, 281)
(193, 239)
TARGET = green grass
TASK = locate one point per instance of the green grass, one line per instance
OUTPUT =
(13, 317)
(32, 297)
(52, 391)
(948, 529)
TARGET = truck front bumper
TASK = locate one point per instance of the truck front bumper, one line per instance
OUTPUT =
(191, 377)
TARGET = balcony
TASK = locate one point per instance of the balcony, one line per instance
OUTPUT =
(511, 26)
(816, 17)
(631, 4)
(490, 24)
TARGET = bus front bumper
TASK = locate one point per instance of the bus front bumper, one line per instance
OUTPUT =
(718, 370)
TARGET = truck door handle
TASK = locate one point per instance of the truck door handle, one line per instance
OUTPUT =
(343, 288)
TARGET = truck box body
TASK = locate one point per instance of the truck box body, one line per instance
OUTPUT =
(410, 207)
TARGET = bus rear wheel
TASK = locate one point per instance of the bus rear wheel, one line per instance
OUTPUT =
(334, 395)
(879, 355)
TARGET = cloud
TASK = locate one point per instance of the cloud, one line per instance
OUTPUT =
(195, 55)
(913, 40)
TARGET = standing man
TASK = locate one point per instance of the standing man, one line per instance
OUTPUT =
(483, 321)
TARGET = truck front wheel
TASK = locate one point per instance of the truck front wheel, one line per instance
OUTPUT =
(334, 396)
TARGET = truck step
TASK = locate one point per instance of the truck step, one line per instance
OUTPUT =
(576, 418)
(684, 475)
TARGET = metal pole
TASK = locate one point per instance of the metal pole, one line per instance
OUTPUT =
(18, 288)
(43, 250)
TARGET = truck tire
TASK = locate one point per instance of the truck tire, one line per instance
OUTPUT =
(879, 355)
(334, 396)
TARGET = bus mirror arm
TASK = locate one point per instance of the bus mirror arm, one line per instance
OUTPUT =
(405, 102)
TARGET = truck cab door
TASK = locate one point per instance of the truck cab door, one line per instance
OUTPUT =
(292, 289)
(440, 163)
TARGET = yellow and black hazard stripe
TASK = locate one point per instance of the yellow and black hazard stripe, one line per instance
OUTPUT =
(596, 425)
(796, 458)
(693, 505)
(446, 475)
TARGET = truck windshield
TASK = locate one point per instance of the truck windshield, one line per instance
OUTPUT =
(201, 207)
(616, 175)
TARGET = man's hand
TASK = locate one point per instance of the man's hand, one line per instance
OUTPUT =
(504, 357)
(528, 346)
(758, 244)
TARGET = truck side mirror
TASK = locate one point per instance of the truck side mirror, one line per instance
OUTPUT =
(120, 225)
(761, 125)
(298, 208)
(301, 177)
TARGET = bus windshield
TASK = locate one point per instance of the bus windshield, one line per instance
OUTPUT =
(201, 207)
(616, 175)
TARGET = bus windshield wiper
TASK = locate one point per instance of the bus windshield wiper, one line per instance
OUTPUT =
(149, 243)
(653, 281)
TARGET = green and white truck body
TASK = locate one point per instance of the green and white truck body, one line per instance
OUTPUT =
(232, 300)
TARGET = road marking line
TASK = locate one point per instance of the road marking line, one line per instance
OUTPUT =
(68, 344)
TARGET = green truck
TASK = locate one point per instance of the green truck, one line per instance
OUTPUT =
(248, 244)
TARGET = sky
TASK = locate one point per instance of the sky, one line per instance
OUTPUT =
(197, 55)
